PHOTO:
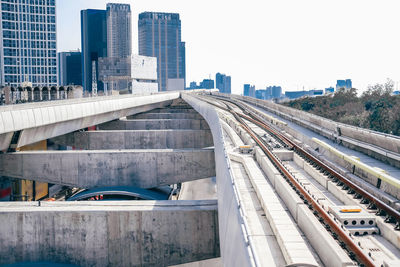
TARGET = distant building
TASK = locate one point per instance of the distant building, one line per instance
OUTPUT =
(346, 84)
(223, 83)
(276, 91)
(261, 94)
(193, 85)
(119, 30)
(70, 68)
(329, 90)
(94, 45)
(160, 36)
(298, 94)
(249, 90)
(246, 89)
(105, 33)
(28, 47)
(135, 74)
(207, 84)
(316, 92)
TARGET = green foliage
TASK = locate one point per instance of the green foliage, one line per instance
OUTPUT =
(375, 109)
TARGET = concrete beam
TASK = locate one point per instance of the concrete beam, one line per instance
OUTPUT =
(40, 121)
(138, 139)
(95, 168)
(174, 110)
(154, 124)
(166, 115)
(127, 233)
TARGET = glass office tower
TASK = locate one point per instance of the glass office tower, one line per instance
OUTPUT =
(160, 36)
(28, 42)
(119, 30)
(94, 45)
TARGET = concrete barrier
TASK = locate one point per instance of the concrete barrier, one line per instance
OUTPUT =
(137, 139)
(154, 124)
(134, 233)
(235, 250)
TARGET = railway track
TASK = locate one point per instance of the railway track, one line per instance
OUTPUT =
(245, 117)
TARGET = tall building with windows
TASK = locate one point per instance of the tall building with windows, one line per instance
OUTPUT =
(223, 83)
(160, 36)
(119, 30)
(69, 68)
(94, 45)
(28, 42)
(105, 34)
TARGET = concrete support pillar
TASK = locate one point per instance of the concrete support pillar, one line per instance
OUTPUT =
(40, 94)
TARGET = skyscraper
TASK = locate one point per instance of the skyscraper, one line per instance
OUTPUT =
(28, 43)
(160, 36)
(119, 30)
(223, 83)
(246, 89)
(69, 68)
(94, 45)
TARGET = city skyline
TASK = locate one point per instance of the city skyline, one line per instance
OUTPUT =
(308, 45)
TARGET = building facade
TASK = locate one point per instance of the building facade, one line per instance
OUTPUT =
(119, 30)
(94, 46)
(346, 84)
(135, 74)
(28, 43)
(276, 91)
(223, 83)
(160, 36)
(246, 89)
(70, 68)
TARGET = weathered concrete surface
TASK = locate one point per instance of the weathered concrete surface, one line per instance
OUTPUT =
(87, 169)
(40, 121)
(174, 109)
(199, 189)
(135, 233)
(205, 263)
(159, 115)
(154, 124)
(137, 139)
(234, 243)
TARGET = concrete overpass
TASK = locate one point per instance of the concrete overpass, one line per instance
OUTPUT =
(262, 221)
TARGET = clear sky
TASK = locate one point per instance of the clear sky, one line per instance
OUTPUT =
(292, 43)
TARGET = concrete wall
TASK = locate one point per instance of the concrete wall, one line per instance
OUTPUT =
(155, 124)
(134, 233)
(233, 238)
(138, 139)
(87, 169)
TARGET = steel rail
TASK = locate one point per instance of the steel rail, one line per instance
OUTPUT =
(382, 206)
(345, 237)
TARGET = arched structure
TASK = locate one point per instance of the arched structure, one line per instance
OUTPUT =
(29, 94)
(45, 94)
(53, 93)
(37, 94)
